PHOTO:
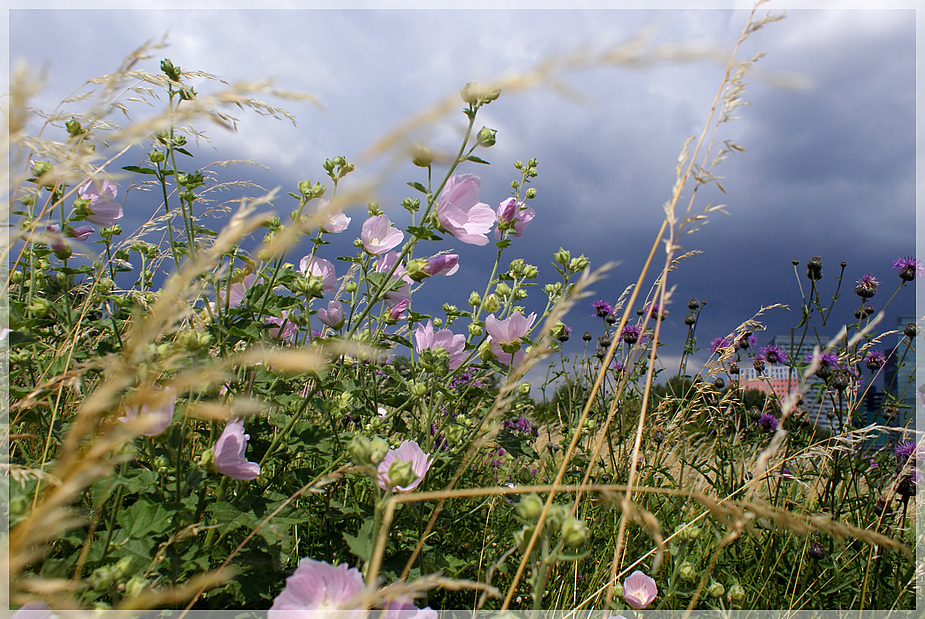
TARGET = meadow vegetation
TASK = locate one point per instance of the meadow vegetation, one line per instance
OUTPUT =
(215, 411)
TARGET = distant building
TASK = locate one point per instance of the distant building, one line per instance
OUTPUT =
(781, 380)
(899, 374)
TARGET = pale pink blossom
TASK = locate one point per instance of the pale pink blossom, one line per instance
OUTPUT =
(336, 223)
(157, 414)
(236, 292)
(397, 311)
(504, 336)
(379, 236)
(639, 590)
(104, 210)
(38, 610)
(281, 331)
(385, 263)
(461, 214)
(444, 264)
(404, 609)
(333, 316)
(318, 586)
(455, 344)
(321, 268)
(80, 233)
(229, 453)
(411, 452)
(513, 211)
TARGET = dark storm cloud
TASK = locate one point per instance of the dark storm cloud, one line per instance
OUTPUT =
(827, 170)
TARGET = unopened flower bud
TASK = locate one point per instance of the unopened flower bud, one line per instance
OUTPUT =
(377, 450)
(522, 537)
(687, 571)
(531, 193)
(491, 303)
(529, 507)
(136, 586)
(401, 473)
(207, 460)
(562, 256)
(486, 137)
(530, 271)
(475, 299)
(736, 594)
(574, 532)
(421, 156)
(578, 264)
(503, 290)
(475, 330)
(374, 210)
(814, 268)
(716, 590)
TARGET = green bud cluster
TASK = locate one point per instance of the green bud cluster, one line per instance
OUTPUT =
(559, 519)
(367, 452)
(491, 303)
(309, 191)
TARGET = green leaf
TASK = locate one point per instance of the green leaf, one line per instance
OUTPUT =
(475, 159)
(183, 151)
(361, 544)
(418, 186)
(139, 170)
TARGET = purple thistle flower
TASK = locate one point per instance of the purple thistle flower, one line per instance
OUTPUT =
(903, 450)
(746, 340)
(867, 286)
(631, 334)
(909, 268)
(602, 308)
(767, 422)
(875, 360)
(520, 425)
(773, 354)
(828, 360)
(656, 311)
(719, 342)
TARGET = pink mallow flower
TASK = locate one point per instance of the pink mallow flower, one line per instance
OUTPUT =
(333, 316)
(104, 210)
(321, 268)
(336, 223)
(158, 413)
(317, 585)
(229, 453)
(408, 451)
(460, 212)
(444, 264)
(397, 311)
(379, 236)
(282, 332)
(403, 609)
(80, 233)
(639, 590)
(505, 335)
(236, 292)
(517, 212)
(425, 337)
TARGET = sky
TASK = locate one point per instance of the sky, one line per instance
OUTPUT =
(828, 166)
